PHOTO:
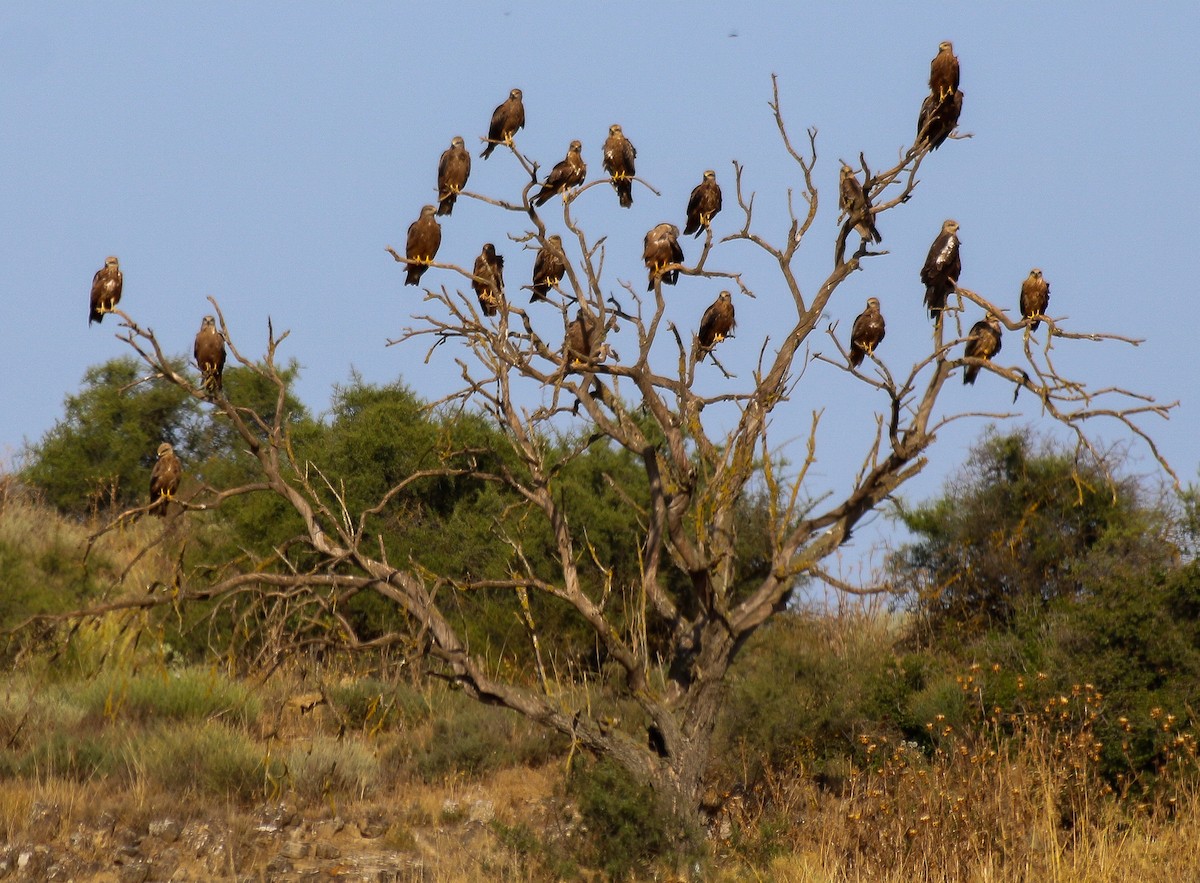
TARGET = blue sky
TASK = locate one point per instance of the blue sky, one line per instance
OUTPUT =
(267, 153)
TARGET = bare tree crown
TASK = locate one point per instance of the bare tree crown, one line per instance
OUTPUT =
(644, 399)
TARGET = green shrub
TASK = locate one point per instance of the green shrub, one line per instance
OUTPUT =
(46, 734)
(205, 758)
(547, 856)
(29, 709)
(626, 830)
(803, 690)
(328, 767)
(187, 694)
(101, 451)
(40, 568)
(468, 739)
(370, 705)
(72, 754)
(940, 703)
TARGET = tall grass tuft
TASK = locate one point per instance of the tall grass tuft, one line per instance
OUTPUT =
(209, 759)
(327, 767)
(182, 695)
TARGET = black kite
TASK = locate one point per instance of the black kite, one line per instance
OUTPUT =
(661, 249)
(489, 267)
(548, 267)
(718, 322)
(106, 290)
(581, 342)
(164, 479)
(942, 269)
(424, 239)
(568, 173)
(867, 332)
(703, 204)
(506, 119)
(619, 154)
(1035, 297)
(857, 205)
(982, 343)
(209, 351)
(943, 72)
(453, 170)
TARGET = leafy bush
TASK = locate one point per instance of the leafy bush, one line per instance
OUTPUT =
(1022, 526)
(468, 739)
(374, 706)
(101, 452)
(550, 857)
(99, 455)
(184, 695)
(205, 758)
(39, 560)
(1033, 560)
(626, 830)
(80, 755)
(326, 767)
(803, 690)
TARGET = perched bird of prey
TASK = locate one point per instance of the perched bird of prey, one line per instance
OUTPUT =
(717, 323)
(942, 269)
(489, 267)
(453, 170)
(581, 344)
(857, 205)
(568, 173)
(938, 119)
(982, 343)
(867, 333)
(506, 119)
(210, 355)
(164, 479)
(619, 154)
(703, 204)
(1035, 297)
(662, 248)
(548, 267)
(943, 72)
(424, 238)
(106, 289)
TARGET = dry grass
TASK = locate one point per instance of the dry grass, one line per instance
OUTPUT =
(45, 537)
(434, 824)
(1008, 800)
(1011, 797)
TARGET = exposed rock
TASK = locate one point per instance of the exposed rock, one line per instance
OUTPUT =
(326, 851)
(277, 817)
(294, 849)
(32, 863)
(128, 853)
(374, 825)
(135, 872)
(272, 843)
(482, 811)
(280, 864)
(127, 837)
(45, 820)
(166, 862)
(196, 838)
(166, 830)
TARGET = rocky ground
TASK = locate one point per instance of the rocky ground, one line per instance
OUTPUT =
(272, 842)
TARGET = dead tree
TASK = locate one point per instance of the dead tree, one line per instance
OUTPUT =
(645, 402)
